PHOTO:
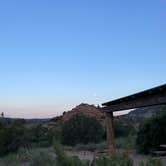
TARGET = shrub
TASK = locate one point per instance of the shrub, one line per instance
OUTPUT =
(43, 159)
(63, 160)
(151, 134)
(82, 129)
(11, 137)
(117, 160)
(151, 162)
(123, 128)
(17, 134)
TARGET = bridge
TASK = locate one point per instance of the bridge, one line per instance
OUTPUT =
(150, 97)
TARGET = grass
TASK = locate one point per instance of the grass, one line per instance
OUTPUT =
(89, 147)
(56, 157)
(32, 157)
(125, 142)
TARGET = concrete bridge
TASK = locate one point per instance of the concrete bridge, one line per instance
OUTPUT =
(150, 97)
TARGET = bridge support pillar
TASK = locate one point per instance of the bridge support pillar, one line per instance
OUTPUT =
(110, 133)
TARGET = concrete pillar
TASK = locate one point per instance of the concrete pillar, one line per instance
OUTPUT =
(110, 133)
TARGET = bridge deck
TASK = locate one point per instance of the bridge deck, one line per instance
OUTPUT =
(151, 97)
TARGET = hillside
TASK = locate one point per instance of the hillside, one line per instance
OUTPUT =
(137, 116)
(85, 109)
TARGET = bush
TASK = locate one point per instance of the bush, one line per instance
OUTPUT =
(11, 137)
(123, 128)
(82, 129)
(125, 142)
(63, 160)
(30, 157)
(151, 162)
(17, 134)
(152, 133)
(43, 159)
(117, 160)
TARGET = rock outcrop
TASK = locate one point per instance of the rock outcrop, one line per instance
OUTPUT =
(82, 109)
(85, 109)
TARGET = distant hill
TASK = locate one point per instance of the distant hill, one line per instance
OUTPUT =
(27, 120)
(137, 116)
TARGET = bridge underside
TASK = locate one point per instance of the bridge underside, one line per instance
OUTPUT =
(151, 97)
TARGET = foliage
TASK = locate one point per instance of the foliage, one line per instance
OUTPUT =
(123, 128)
(11, 136)
(125, 142)
(17, 134)
(82, 129)
(117, 160)
(91, 146)
(43, 159)
(63, 160)
(39, 156)
(151, 162)
(152, 133)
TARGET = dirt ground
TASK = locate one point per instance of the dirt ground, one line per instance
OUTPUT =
(88, 155)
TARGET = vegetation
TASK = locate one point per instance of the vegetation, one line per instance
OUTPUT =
(25, 143)
(123, 128)
(117, 160)
(17, 134)
(151, 162)
(82, 129)
(63, 160)
(87, 147)
(152, 133)
(30, 157)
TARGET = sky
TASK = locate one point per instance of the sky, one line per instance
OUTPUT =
(55, 55)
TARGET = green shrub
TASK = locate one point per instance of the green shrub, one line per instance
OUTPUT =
(82, 129)
(151, 162)
(125, 142)
(30, 157)
(123, 128)
(91, 146)
(43, 159)
(63, 160)
(11, 136)
(117, 160)
(152, 133)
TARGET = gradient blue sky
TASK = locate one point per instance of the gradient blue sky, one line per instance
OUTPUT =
(57, 54)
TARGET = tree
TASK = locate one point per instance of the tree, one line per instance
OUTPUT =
(82, 129)
(151, 134)
(11, 136)
(2, 115)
